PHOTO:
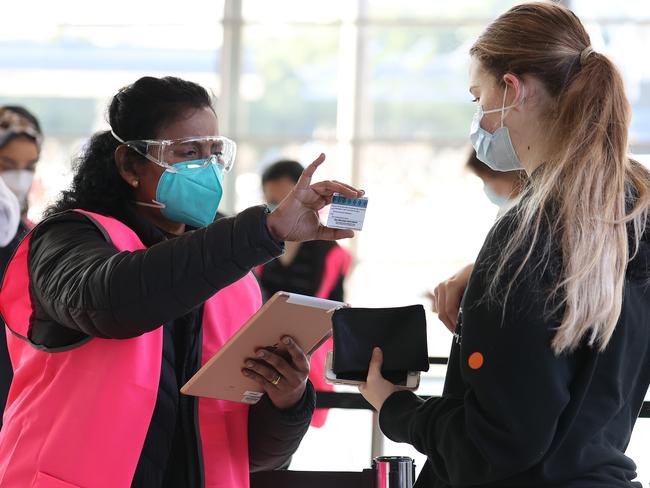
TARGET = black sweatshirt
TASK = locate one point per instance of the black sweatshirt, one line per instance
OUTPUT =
(526, 417)
(82, 287)
(304, 274)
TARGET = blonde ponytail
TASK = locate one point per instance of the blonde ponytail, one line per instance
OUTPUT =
(593, 187)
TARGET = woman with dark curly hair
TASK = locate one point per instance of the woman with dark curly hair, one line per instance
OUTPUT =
(127, 288)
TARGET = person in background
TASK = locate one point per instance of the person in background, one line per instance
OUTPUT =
(314, 268)
(9, 214)
(128, 287)
(502, 188)
(551, 359)
(20, 149)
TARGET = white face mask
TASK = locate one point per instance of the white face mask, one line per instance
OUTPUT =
(19, 182)
(9, 214)
(495, 149)
(494, 197)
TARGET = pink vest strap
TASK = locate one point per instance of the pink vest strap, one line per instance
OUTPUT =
(224, 425)
(79, 417)
(337, 263)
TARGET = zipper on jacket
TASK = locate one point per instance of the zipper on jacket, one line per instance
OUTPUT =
(458, 334)
(197, 429)
(199, 445)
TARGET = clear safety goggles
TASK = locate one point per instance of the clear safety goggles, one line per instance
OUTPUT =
(169, 152)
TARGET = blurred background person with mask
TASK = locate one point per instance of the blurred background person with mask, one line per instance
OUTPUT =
(9, 214)
(502, 188)
(314, 268)
(20, 148)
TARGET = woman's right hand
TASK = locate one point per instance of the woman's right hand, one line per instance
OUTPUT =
(296, 218)
(447, 296)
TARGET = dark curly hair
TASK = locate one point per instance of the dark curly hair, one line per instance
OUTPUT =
(137, 111)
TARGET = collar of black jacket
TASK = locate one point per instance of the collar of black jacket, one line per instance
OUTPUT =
(148, 232)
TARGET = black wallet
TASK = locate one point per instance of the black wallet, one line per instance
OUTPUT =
(400, 332)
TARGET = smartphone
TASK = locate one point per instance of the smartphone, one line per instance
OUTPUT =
(412, 378)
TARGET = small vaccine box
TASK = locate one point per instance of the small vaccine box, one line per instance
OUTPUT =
(347, 213)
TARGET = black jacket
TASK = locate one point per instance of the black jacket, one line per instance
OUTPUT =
(526, 417)
(82, 287)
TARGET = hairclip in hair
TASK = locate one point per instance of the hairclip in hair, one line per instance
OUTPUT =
(586, 52)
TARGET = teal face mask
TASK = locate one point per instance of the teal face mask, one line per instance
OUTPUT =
(191, 193)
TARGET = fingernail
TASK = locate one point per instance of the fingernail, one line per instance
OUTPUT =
(286, 340)
(261, 354)
(245, 373)
(250, 364)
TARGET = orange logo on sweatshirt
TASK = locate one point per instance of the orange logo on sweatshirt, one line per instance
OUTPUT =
(475, 360)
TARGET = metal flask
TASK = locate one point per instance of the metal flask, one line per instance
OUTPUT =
(393, 472)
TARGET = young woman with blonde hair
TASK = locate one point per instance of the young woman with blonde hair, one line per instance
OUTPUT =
(551, 359)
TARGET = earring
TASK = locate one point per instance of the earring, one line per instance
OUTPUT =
(135, 183)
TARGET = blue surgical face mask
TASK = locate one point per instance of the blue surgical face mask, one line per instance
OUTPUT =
(191, 193)
(494, 197)
(494, 149)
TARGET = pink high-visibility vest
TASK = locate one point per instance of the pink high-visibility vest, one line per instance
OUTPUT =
(78, 417)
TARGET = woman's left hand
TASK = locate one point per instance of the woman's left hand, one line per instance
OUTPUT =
(376, 389)
(284, 380)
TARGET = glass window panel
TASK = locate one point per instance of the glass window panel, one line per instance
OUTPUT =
(289, 81)
(95, 62)
(627, 44)
(418, 83)
(631, 9)
(417, 9)
(52, 15)
(294, 10)
(322, 449)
